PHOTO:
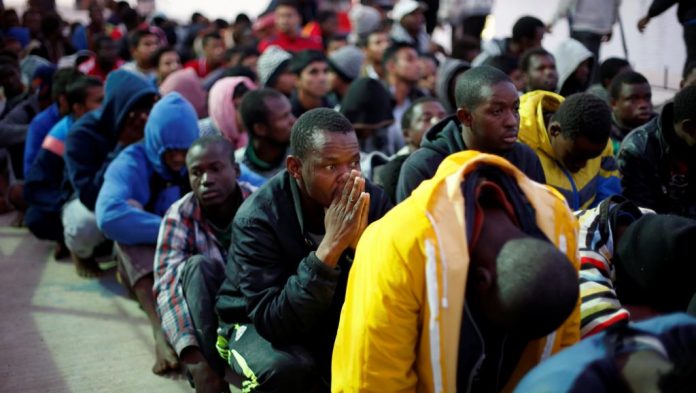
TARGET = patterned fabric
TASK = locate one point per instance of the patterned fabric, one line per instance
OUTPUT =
(600, 307)
(184, 233)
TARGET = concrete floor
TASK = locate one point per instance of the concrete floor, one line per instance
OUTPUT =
(63, 333)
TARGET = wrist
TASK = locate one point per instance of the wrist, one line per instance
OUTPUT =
(327, 254)
(191, 355)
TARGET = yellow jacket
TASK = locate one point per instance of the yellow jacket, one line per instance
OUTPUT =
(586, 188)
(400, 323)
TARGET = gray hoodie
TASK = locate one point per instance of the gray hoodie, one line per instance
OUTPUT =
(448, 69)
(569, 55)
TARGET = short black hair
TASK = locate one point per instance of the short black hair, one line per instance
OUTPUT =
(325, 15)
(305, 129)
(50, 24)
(393, 49)
(136, 36)
(471, 83)
(242, 18)
(157, 55)
(625, 78)
(253, 108)
(247, 51)
(407, 118)
(430, 57)
(288, 3)
(210, 140)
(586, 115)
(526, 27)
(610, 68)
(504, 63)
(76, 91)
(304, 59)
(363, 39)
(526, 58)
(210, 36)
(61, 79)
(688, 68)
(220, 24)
(685, 104)
(240, 70)
(99, 40)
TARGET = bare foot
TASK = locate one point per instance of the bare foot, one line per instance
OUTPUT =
(86, 267)
(166, 357)
(61, 251)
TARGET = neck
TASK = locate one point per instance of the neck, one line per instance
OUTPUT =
(401, 89)
(270, 153)
(470, 140)
(308, 101)
(377, 66)
(221, 215)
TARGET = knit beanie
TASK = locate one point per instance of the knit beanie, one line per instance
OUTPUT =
(347, 62)
(272, 63)
(364, 20)
(655, 262)
(303, 59)
(367, 103)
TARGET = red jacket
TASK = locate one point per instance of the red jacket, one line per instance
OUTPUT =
(292, 44)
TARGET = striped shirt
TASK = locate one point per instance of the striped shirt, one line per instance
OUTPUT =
(184, 232)
(600, 307)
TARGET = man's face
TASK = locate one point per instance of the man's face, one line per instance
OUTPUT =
(633, 107)
(96, 16)
(285, 83)
(175, 159)
(211, 173)
(168, 63)
(495, 122)
(93, 99)
(542, 74)
(214, 51)
(279, 121)
(325, 169)
(108, 52)
(287, 20)
(32, 21)
(413, 21)
(582, 73)
(428, 74)
(527, 43)
(133, 126)
(574, 153)
(146, 47)
(377, 43)
(425, 116)
(11, 81)
(405, 65)
(314, 79)
(250, 62)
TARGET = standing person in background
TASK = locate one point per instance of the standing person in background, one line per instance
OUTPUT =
(143, 43)
(591, 22)
(287, 25)
(467, 18)
(165, 60)
(214, 50)
(686, 13)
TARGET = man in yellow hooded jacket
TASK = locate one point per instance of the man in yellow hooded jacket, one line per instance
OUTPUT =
(571, 139)
(478, 289)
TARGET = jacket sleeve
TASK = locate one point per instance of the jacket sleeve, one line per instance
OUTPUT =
(608, 181)
(43, 183)
(413, 172)
(659, 6)
(282, 308)
(121, 220)
(376, 344)
(562, 10)
(32, 143)
(640, 180)
(86, 165)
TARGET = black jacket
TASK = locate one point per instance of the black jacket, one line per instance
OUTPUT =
(445, 138)
(273, 276)
(658, 170)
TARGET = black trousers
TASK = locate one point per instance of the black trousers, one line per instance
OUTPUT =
(201, 279)
(269, 368)
(592, 42)
(45, 225)
(690, 43)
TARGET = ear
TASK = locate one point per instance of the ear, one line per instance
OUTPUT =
(483, 279)
(260, 129)
(294, 166)
(554, 129)
(612, 103)
(464, 116)
(689, 127)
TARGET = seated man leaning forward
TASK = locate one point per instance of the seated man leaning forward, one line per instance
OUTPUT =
(191, 255)
(481, 287)
(292, 251)
(139, 186)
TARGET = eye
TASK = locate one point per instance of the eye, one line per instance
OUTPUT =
(331, 168)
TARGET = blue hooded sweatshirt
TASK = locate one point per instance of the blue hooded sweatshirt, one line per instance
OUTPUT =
(140, 174)
(38, 129)
(92, 142)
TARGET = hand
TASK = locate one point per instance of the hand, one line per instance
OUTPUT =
(133, 128)
(643, 22)
(362, 224)
(607, 37)
(342, 219)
